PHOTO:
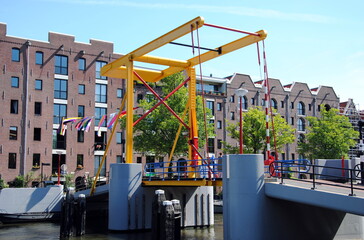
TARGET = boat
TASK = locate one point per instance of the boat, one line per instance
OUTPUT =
(30, 204)
(28, 217)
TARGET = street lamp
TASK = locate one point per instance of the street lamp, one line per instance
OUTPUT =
(41, 171)
(59, 167)
(241, 92)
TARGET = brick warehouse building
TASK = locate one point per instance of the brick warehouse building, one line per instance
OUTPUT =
(41, 82)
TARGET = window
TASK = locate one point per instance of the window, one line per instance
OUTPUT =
(59, 141)
(282, 104)
(37, 134)
(81, 111)
(327, 107)
(39, 58)
(301, 124)
(139, 98)
(244, 103)
(119, 159)
(210, 105)
(309, 107)
(119, 93)
(15, 54)
(13, 133)
(14, 106)
(293, 156)
(273, 103)
(139, 159)
(263, 102)
(57, 159)
(14, 82)
(12, 161)
(82, 64)
(79, 161)
(301, 108)
(232, 98)
(232, 115)
(219, 107)
(150, 167)
(60, 89)
(101, 93)
(211, 145)
(99, 112)
(219, 124)
(252, 101)
(61, 65)
(38, 84)
(38, 108)
(219, 143)
(119, 138)
(80, 136)
(99, 65)
(292, 120)
(292, 105)
(301, 138)
(59, 112)
(36, 160)
(81, 88)
(97, 162)
(318, 108)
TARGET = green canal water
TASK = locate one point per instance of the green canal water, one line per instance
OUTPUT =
(35, 231)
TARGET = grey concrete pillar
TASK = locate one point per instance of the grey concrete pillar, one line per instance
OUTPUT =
(125, 182)
(243, 181)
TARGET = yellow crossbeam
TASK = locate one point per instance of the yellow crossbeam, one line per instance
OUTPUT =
(151, 46)
(227, 48)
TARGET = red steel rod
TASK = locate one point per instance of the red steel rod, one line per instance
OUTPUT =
(160, 99)
(160, 102)
(231, 29)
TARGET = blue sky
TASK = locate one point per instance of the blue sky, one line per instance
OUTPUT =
(316, 42)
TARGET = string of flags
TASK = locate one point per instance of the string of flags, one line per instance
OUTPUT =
(84, 124)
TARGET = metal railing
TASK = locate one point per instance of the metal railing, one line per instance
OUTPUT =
(299, 170)
(179, 170)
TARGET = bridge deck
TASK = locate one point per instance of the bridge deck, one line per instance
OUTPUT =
(333, 197)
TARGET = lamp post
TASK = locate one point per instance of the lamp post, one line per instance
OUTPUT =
(41, 171)
(59, 167)
(241, 92)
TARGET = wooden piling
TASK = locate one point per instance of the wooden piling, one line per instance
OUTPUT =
(167, 221)
(159, 197)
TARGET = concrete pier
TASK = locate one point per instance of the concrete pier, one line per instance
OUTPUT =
(130, 204)
(243, 196)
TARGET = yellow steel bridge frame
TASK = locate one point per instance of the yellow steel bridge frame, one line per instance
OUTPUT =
(124, 68)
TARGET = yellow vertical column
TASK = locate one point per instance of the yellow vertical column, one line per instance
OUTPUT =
(129, 111)
(193, 137)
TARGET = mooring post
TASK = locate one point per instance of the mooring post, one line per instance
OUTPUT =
(67, 215)
(177, 218)
(167, 221)
(159, 197)
(80, 215)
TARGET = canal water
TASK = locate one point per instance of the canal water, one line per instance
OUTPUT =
(47, 231)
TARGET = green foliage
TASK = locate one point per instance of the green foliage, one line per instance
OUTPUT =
(3, 184)
(69, 181)
(329, 136)
(156, 133)
(23, 181)
(254, 132)
(19, 181)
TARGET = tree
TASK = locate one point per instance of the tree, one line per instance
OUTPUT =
(329, 136)
(254, 132)
(156, 133)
